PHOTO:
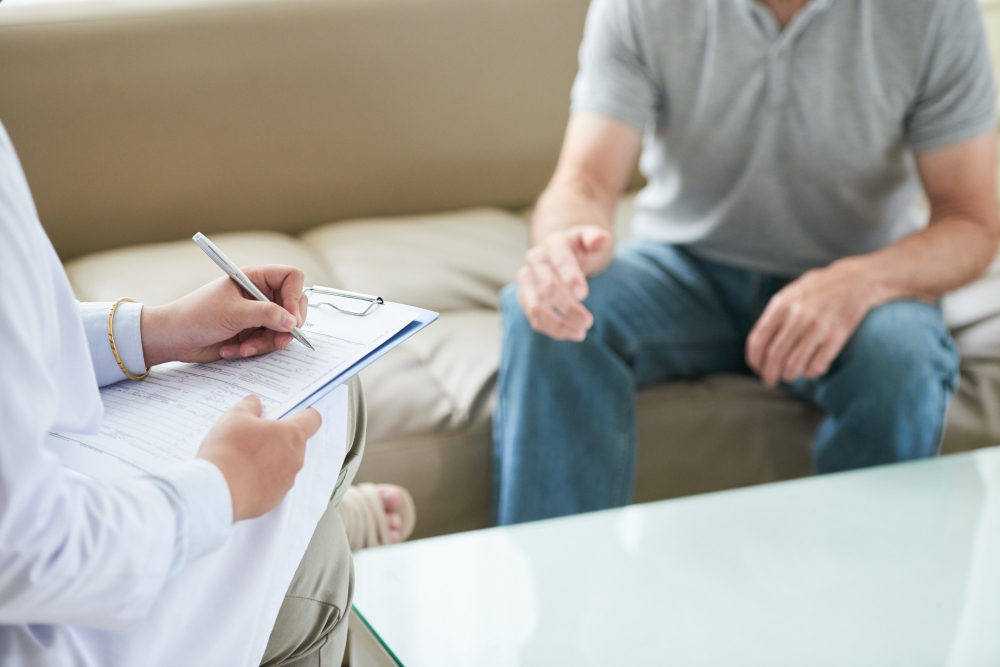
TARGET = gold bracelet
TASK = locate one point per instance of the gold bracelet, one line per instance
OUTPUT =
(111, 339)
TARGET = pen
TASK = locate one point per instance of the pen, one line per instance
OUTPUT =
(240, 278)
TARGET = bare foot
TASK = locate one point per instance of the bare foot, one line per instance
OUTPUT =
(392, 500)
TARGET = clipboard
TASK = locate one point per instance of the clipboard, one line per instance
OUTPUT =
(421, 319)
(157, 424)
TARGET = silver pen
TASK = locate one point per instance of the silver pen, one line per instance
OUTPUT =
(240, 278)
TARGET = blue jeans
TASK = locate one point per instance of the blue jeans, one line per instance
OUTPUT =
(565, 424)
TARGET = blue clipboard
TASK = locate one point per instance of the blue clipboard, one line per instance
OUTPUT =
(421, 319)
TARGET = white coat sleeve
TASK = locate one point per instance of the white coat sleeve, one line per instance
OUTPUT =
(198, 491)
(128, 339)
(73, 550)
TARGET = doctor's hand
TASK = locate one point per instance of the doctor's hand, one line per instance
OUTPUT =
(258, 457)
(807, 324)
(553, 281)
(220, 320)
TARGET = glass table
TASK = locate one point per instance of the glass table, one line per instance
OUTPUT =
(898, 565)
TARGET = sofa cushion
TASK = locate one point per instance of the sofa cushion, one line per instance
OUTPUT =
(161, 272)
(442, 262)
(728, 431)
(438, 381)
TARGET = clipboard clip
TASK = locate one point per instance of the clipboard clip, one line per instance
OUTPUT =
(372, 300)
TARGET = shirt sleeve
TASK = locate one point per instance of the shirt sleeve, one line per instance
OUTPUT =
(956, 99)
(614, 78)
(128, 339)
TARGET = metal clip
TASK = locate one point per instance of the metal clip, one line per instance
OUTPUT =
(372, 300)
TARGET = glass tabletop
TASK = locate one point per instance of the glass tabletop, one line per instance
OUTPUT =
(898, 565)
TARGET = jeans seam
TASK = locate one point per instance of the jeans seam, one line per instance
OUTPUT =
(497, 459)
(618, 488)
(950, 386)
(755, 289)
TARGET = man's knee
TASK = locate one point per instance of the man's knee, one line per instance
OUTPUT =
(887, 395)
(604, 300)
(903, 350)
(357, 424)
(313, 618)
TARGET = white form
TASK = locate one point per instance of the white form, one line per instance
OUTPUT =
(162, 420)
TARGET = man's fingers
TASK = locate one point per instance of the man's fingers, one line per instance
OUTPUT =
(540, 316)
(761, 335)
(308, 420)
(568, 268)
(825, 356)
(544, 320)
(589, 244)
(777, 353)
(593, 239)
(555, 294)
(802, 354)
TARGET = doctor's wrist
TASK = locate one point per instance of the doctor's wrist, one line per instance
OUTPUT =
(156, 324)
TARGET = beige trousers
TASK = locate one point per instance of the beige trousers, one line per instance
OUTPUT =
(311, 628)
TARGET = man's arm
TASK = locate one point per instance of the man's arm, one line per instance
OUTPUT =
(572, 224)
(807, 324)
(964, 230)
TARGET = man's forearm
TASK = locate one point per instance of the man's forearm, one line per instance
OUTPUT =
(570, 203)
(951, 252)
(597, 157)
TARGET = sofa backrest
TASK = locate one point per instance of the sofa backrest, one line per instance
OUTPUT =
(148, 120)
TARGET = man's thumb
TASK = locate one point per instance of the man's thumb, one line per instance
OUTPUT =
(593, 239)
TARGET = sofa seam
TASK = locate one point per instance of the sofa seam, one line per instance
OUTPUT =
(452, 401)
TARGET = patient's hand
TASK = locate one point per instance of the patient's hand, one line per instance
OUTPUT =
(553, 281)
(220, 320)
(258, 457)
(807, 324)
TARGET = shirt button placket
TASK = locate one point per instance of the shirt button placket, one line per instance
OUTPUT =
(777, 75)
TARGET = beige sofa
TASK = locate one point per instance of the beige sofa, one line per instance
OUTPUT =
(331, 134)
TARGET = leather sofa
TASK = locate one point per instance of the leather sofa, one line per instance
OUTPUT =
(387, 147)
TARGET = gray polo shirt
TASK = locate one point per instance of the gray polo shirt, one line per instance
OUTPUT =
(783, 150)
